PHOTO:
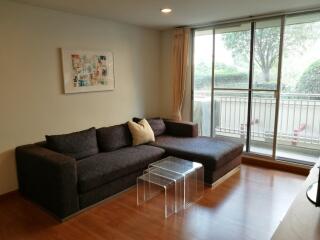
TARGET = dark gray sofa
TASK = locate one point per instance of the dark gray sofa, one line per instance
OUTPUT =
(67, 173)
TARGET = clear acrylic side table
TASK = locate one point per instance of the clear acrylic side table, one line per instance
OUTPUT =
(191, 172)
(178, 182)
(150, 185)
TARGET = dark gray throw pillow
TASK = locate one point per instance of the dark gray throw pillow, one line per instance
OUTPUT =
(114, 137)
(157, 124)
(77, 145)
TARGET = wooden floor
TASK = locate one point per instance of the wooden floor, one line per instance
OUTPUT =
(248, 205)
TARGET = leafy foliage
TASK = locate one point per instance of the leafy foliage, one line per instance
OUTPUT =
(224, 75)
(221, 68)
(297, 38)
(310, 79)
(203, 76)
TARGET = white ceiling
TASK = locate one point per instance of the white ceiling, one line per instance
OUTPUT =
(185, 12)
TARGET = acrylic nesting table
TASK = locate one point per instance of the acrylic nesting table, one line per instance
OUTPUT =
(180, 181)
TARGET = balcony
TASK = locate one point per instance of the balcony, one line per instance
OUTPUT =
(298, 135)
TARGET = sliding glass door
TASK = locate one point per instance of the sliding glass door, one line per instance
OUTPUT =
(231, 81)
(299, 110)
(258, 82)
(266, 55)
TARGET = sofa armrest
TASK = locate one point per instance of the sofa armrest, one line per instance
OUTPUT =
(48, 178)
(181, 128)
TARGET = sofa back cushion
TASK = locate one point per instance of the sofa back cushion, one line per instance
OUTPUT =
(113, 138)
(157, 124)
(77, 144)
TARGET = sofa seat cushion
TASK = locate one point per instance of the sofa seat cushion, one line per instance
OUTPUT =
(211, 152)
(105, 167)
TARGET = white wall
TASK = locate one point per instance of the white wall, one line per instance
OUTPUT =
(166, 80)
(166, 74)
(32, 102)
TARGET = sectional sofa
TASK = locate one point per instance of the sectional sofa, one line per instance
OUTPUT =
(67, 173)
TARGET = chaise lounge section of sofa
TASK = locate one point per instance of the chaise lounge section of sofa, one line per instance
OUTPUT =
(70, 172)
(180, 139)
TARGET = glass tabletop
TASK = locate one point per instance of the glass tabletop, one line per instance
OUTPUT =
(163, 173)
(176, 165)
(156, 179)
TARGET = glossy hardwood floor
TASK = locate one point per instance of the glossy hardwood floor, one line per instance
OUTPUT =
(248, 205)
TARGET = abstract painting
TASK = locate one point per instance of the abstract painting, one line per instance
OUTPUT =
(87, 71)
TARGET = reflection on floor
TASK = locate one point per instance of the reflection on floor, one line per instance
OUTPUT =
(248, 205)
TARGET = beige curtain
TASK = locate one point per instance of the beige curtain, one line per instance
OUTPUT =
(181, 48)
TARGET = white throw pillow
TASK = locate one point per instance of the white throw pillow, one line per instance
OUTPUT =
(141, 132)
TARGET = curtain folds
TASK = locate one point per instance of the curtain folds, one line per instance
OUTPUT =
(181, 62)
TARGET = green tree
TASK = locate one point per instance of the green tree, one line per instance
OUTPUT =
(310, 79)
(297, 38)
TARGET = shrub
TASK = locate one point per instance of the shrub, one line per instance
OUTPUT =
(310, 79)
(266, 85)
(225, 78)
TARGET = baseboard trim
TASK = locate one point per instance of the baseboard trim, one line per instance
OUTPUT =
(8, 194)
(277, 165)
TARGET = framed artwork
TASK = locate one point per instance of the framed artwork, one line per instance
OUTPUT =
(87, 71)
